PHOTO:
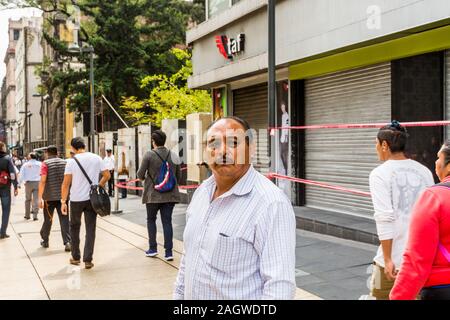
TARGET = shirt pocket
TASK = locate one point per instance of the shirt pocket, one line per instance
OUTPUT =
(230, 252)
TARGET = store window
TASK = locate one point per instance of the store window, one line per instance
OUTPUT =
(219, 103)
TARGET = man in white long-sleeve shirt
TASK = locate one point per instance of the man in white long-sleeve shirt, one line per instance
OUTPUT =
(239, 241)
(395, 186)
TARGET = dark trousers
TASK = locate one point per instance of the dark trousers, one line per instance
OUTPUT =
(123, 190)
(435, 293)
(166, 210)
(5, 197)
(49, 209)
(90, 221)
(111, 183)
(285, 155)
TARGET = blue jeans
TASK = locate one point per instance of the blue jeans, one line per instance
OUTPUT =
(166, 210)
(5, 197)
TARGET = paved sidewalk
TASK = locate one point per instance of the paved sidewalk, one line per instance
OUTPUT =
(28, 271)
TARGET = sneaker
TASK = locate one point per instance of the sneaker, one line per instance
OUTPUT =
(4, 236)
(26, 218)
(75, 262)
(67, 247)
(151, 253)
(88, 265)
(168, 257)
(44, 244)
(35, 219)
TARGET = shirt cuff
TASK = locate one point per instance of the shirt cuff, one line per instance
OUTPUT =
(385, 230)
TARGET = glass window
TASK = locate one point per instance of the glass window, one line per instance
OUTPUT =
(16, 34)
(216, 7)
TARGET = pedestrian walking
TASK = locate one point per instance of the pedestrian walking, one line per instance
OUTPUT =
(239, 241)
(17, 162)
(426, 265)
(110, 164)
(30, 177)
(75, 179)
(7, 178)
(395, 186)
(52, 176)
(158, 164)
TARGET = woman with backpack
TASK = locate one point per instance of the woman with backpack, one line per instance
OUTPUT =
(426, 264)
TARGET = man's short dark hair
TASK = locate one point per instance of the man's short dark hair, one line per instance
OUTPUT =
(52, 150)
(395, 136)
(33, 155)
(78, 143)
(159, 137)
(108, 150)
(244, 124)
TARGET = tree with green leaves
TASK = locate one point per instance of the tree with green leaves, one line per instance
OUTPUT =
(131, 39)
(169, 96)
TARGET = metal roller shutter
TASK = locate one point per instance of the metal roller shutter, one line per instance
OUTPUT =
(447, 90)
(345, 157)
(251, 104)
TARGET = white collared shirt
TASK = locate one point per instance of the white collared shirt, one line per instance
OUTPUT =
(109, 162)
(239, 246)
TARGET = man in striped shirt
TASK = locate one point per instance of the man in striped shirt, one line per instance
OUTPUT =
(239, 241)
(52, 176)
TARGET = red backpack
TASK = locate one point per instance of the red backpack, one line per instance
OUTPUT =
(5, 177)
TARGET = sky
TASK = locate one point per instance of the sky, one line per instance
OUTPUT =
(15, 14)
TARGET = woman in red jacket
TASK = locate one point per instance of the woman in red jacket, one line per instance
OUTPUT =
(426, 264)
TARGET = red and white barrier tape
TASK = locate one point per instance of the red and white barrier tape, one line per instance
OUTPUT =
(319, 184)
(363, 125)
(122, 185)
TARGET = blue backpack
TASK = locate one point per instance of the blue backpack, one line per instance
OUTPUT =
(165, 181)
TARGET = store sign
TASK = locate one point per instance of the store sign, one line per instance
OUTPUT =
(229, 47)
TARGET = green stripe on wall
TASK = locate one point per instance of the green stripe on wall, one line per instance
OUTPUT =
(424, 42)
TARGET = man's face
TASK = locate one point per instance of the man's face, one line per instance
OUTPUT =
(227, 151)
(109, 153)
(441, 169)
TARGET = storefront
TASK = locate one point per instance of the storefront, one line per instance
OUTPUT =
(326, 76)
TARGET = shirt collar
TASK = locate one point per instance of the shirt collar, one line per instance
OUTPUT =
(242, 187)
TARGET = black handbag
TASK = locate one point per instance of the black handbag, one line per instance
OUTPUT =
(98, 196)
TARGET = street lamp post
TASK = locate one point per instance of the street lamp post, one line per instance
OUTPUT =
(74, 48)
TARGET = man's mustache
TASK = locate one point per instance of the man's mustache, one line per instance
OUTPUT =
(224, 160)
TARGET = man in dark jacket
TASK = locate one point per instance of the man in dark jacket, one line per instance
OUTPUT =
(52, 176)
(159, 201)
(8, 177)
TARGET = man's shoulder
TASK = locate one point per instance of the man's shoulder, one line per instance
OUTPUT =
(268, 192)
(382, 170)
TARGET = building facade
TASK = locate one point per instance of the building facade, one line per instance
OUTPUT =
(358, 63)
(28, 100)
(14, 31)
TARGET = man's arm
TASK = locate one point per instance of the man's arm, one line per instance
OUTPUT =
(41, 190)
(141, 173)
(385, 221)
(275, 244)
(178, 293)
(105, 177)
(65, 192)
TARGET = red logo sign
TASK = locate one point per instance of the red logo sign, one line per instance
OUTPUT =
(229, 47)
